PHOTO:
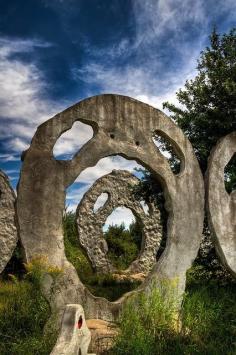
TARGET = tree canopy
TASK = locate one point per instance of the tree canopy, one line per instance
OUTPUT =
(207, 109)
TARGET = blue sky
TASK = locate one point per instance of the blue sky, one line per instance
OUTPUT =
(53, 53)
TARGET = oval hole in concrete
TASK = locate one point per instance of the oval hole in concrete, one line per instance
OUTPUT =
(72, 141)
(166, 148)
(101, 200)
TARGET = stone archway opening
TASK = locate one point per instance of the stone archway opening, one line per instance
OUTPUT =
(229, 175)
(71, 142)
(129, 255)
(119, 123)
(169, 151)
(101, 200)
(123, 235)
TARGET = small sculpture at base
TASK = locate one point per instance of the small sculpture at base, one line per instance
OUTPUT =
(74, 337)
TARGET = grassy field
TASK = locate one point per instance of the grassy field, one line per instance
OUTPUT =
(208, 324)
(208, 314)
(23, 314)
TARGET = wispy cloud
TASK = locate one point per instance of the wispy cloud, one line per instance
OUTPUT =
(71, 141)
(22, 85)
(155, 18)
(9, 157)
(23, 105)
(90, 175)
(138, 82)
(161, 55)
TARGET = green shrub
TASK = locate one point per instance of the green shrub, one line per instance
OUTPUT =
(147, 323)
(209, 318)
(23, 314)
(73, 250)
(107, 285)
(122, 245)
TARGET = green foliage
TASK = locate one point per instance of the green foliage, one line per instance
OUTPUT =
(108, 286)
(73, 250)
(122, 244)
(208, 102)
(23, 314)
(100, 285)
(37, 268)
(148, 323)
(209, 319)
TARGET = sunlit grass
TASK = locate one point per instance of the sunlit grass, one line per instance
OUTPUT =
(23, 314)
(208, 323)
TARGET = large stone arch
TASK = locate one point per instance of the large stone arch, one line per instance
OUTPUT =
(8, 231)
(120, 187)
(221, 206)
(121, 126)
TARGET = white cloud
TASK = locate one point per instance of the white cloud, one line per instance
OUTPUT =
(154, 18)
(118, 216)
(105, 166)
(22, 107)
(90, 175)
(9, 157)
(71, 141)
(140, 82)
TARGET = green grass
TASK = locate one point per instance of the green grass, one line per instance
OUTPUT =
(147, 324)
(100, 285)
(208, 323)
(23, 314)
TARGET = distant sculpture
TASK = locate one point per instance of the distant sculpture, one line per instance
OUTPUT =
(8, 231)
(121, 126)
(119, 185)
(221, 206)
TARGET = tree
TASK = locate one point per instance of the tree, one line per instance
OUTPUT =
(207, 109)
(123, 244)
(207, 112)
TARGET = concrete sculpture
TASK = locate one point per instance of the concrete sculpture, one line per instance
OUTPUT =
(8, 231)
(221, 206)
(74, 337)
(121, 126)
(119, 185)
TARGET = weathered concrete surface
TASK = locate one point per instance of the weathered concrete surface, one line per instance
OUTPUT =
(74, 337)
(8, 231)
(221, 206)
(120, 187)
(121, 126)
